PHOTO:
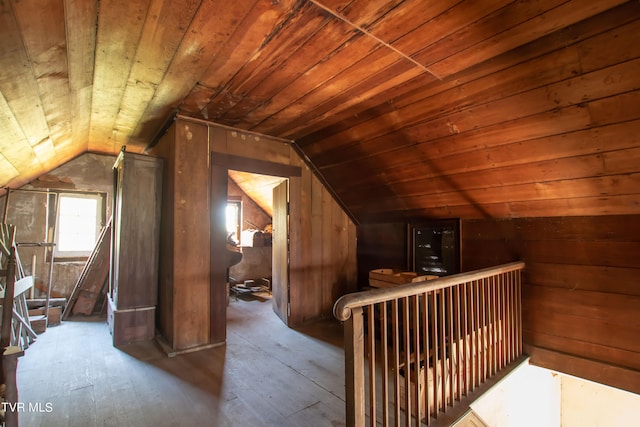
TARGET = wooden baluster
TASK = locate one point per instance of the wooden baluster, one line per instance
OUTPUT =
(450, 359)
(354, 368)
(472, 334)
(415, 323)
(426, 349)
(396, 358)
(385, 363)
(478, 334)
(483, 331)
(371, 344)
(503, 312)
(443, 351)
(494, 324)
(407, 360)
(458, 343)
(519, 310)
(465, 336)
(511, 320)
(435, 340)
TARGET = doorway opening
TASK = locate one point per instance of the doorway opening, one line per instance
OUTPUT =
(289, 190)
(250, 212)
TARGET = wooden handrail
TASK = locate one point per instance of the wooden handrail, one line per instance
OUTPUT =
(413, 350)
(343, 306)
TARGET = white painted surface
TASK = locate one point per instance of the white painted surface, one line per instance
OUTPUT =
(536, 397)
(589, 404)
(528, 397)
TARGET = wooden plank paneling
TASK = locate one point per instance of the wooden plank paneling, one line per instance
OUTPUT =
(588, 350)
(248, 21)
(80, 22)
(256, 146)
(113, 51)
(607, 228)
(297, 97)
(578, 188)
(45, 49)
(321, 239)
(24, 124)
(185, 292)
(580, 293)
(162, 32)
(353, 91)
(165, 148)
(418, 91)
(323, 38)
(191, 218)
(478, 24)
(530, 29)
(589, 304)
(280, 264)
(353, 81)
(594, 370)
(297, 249)
(431, 124)
(537, 147)
(337, 75)
(444, 28)
(621, 280)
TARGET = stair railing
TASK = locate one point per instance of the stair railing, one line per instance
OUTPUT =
(414, 350)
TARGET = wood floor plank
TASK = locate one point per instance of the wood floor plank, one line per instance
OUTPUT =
(266, 375)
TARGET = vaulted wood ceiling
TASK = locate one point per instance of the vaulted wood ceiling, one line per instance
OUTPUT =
(444, 108)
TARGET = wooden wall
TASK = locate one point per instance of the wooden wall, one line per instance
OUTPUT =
(581, 293)
(323, 238)
(322, 259)
(183, 298)
(31, 214)
(381, 245)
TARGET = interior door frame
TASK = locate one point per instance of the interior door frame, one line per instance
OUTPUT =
(280, 252)
(221, 163)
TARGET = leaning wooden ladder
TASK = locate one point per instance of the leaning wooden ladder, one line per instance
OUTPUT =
(22, 333)
(10, 352)
(91, 283)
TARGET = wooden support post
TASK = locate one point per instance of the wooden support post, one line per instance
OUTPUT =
(7, 304)
(53, 255)
(33, 273)
(6, 206)
(354, 368)
(9, 369)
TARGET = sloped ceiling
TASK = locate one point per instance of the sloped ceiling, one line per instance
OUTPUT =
(406, 107)
(258, 187)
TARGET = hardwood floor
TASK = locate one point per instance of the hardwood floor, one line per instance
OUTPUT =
(266, 375)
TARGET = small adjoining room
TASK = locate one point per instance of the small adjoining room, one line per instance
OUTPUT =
(320, 213)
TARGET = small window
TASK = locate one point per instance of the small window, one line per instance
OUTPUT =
(234, 219)
(79, 223)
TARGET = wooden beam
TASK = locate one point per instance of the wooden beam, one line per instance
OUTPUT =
(245, 164)
(603, 373)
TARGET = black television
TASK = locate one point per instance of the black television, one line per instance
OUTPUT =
(434, 247)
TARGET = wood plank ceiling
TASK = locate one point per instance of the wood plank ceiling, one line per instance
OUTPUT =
(445, 108)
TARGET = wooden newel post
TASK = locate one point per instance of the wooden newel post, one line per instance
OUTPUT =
(354, 368)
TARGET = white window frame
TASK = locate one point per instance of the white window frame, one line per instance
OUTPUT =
(99, 198)
(237, 202)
